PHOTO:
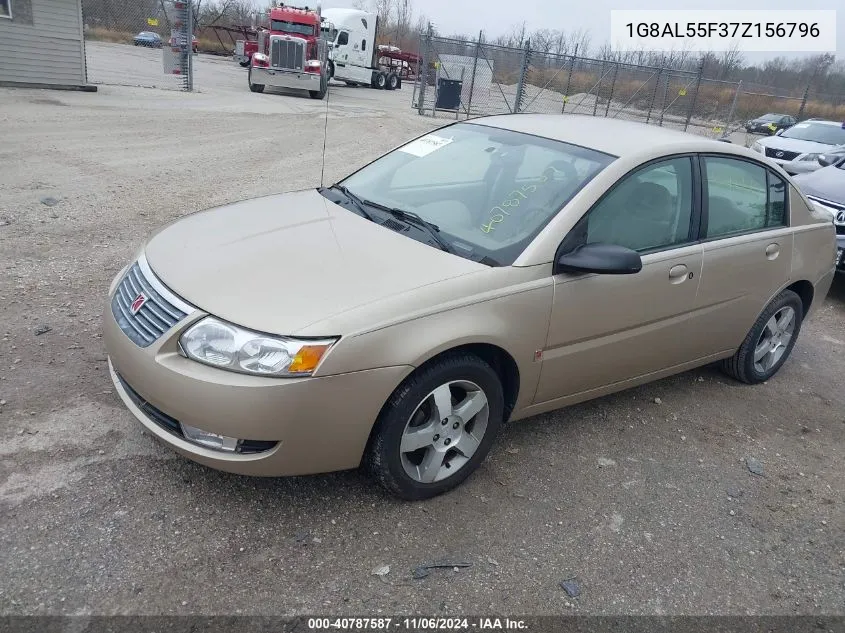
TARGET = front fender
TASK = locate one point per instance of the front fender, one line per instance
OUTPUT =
(517, 323)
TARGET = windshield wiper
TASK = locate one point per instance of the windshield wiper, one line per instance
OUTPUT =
(359, 204)
(412, 218)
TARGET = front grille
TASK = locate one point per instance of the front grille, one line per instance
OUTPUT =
(772, 152)
(154, 318)
(172, 425)
(287, 54)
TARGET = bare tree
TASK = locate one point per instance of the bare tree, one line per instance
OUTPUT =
(404, 17)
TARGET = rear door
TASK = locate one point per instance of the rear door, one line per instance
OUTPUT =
(747, 249)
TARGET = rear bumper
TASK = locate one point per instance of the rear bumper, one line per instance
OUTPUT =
(285, 79)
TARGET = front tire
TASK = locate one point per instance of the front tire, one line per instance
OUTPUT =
(437, 427)
(254, 87)
(324, 87)
(770, 341)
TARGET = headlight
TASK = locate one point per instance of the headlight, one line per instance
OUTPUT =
(809, 157)
(757, 146)
(220, 344)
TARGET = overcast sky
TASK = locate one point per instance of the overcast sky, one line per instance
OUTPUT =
(497, 16)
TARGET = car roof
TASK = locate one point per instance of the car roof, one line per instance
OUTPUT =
(825, 122)
(611, 136)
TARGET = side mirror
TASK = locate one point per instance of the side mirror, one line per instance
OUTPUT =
(602, 259)
(779, 132)
(826, 161)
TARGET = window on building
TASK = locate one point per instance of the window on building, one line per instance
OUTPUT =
(5, 9)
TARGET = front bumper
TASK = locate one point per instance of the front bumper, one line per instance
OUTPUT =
(317, 424)
(285, 78)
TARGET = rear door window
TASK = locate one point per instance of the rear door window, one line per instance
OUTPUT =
(741, 197)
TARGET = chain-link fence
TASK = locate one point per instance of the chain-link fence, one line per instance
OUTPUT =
(145, 43)
(471, 78)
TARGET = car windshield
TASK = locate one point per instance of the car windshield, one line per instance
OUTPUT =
(826, 133)
(770, 117)
(292, 27)
(147, 34)
(489, 191)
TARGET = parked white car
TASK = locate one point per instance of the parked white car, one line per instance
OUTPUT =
(797, 149)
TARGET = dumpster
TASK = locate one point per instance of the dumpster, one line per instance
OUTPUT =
(448, 94)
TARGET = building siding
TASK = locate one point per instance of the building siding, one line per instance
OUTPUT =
(44, 45)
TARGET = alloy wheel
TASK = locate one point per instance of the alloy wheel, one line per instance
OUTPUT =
(774, 339)
(445, 431)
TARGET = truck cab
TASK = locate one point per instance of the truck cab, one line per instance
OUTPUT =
(353, 53)
(291, 52)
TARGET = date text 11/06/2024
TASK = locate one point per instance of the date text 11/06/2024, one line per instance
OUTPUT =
(416, 624)
(681, 30)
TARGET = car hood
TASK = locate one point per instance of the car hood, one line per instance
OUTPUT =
(279, 263)
(827, 183)
(794, 145)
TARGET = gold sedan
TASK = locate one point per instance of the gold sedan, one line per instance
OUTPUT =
(489, 271)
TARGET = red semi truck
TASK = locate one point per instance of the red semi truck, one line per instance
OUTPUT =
(291, 53)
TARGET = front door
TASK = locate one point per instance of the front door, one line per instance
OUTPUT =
(605, 329)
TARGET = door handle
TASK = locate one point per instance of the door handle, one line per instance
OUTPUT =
(678, 274)
(772, 251)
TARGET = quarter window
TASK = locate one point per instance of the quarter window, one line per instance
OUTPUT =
(650, 209)
(742, 197)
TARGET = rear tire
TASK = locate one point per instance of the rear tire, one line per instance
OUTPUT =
(420, 436)
(770, 341)
(392, 81)
(379, 81)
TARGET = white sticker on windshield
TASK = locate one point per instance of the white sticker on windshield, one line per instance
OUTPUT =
(425, 145)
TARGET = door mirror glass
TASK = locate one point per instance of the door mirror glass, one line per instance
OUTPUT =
(779, 132)
(602, 259)
(826, 161)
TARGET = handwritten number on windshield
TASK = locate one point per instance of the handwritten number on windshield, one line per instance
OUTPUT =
(498, 213)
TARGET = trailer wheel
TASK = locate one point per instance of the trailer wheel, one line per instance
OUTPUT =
(392, 81)
(254, 87)
(380, 81)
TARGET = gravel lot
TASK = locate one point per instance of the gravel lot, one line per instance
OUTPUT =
(643, 496)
